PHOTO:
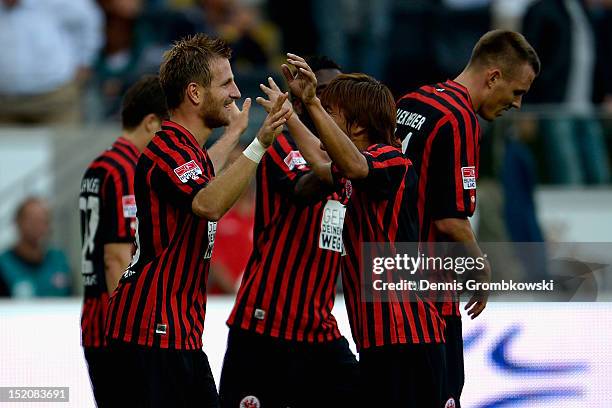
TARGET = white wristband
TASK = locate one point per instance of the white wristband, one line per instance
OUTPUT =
(254, 151)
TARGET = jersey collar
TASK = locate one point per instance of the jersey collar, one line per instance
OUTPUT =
(170, 125)
(128, 145)
(462, 89)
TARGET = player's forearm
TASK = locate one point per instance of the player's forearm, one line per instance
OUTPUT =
(220, 151)
(460, 230)
(214, 200)
(117, 258)
(455, 229)
(339, 147)
(309, 144)
(310, 148)
(312, 187)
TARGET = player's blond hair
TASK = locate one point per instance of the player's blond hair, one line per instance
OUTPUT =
(189, 61)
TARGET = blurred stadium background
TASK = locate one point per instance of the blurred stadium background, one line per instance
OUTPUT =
(545, 171)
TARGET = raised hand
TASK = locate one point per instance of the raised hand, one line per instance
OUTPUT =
(239, 119)
(273, 124)
(478, 300)
(303, 83)
(273, 92)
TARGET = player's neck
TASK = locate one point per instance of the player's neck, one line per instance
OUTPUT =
(470, 81)
(139, 137)
(194, 124)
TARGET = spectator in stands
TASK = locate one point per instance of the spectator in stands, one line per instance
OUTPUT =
(251, 37)
(48, 48)
(562, 33)
(137, 34)
(31, 268)
(355, 33)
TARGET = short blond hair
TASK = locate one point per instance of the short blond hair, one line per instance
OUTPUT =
(189, 61)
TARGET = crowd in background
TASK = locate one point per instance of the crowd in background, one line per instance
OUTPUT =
(70, 61)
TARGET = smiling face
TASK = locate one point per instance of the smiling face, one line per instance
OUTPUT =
(506, 91)
(219, 95)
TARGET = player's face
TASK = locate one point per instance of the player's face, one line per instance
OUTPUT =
(507, 92)
(221, 93)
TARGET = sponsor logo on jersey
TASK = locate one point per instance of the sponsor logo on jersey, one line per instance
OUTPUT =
(469, 177)
(187, 171)
(295, 160)
(129, 206)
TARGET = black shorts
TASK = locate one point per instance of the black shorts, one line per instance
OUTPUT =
(403, 375)
(156, 378)
(100, 374)
(280, 374)
(454, 357)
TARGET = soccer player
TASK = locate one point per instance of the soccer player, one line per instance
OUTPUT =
(108, 210)
(398, 337)
(156, 314)
(440, 134)
(281, 324)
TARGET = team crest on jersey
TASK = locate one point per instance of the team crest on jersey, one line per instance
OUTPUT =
(189, 170)
(469, 177)
(250, 402)
(348, 188)
(450, 403)
(295, 160)
(129, 206)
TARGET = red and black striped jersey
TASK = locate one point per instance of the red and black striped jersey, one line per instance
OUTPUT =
(440, 134)
(161, 298)
(108, 211)
(288, 287)
(382, 210)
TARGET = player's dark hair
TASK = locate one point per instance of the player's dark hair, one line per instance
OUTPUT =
(141, 99)
(319, 62)
(189, 61)
(366, 102)
(506, 48)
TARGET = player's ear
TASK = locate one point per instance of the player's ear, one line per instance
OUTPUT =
(152, 123)
(493, 77)
(193, 93)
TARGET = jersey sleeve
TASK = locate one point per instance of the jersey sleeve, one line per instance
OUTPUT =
(453, 173)
(284, 165)
(180, 174)
(386, 169)
(118, 207)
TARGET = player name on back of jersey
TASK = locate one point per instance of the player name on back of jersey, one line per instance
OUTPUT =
(90, 185)
(414, 120)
